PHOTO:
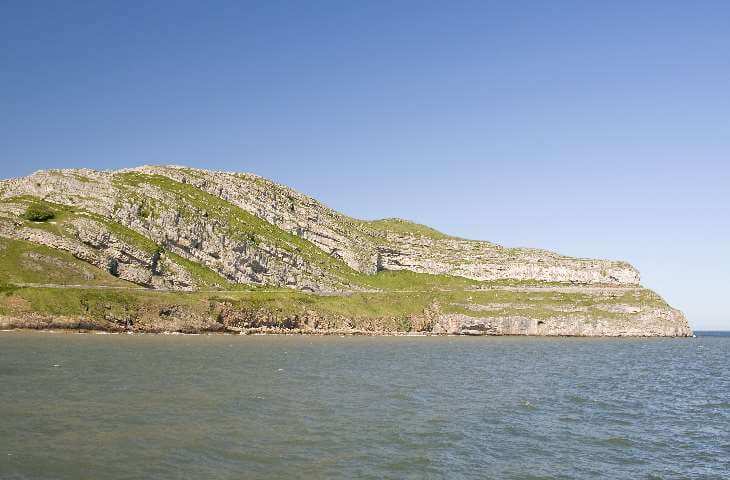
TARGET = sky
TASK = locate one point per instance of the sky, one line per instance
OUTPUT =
(595, 129)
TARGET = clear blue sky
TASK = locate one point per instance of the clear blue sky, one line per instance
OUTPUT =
(591, 128)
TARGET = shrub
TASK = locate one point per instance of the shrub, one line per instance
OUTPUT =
(39, 212)
(404, 325)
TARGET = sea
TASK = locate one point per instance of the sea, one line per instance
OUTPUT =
(96, 406)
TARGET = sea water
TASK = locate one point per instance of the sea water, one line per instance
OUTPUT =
(88, 406)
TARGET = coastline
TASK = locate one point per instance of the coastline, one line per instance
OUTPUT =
(318, 333)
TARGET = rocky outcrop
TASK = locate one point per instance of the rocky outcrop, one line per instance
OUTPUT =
(485, 261)
(156, 315)
(92, 242)
(653, 322)
(177, 228)
(192, 230)
(289, 210)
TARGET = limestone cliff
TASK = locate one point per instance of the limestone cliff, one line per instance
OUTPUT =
(182, 229)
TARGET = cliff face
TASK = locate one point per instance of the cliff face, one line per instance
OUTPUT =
(175, 228)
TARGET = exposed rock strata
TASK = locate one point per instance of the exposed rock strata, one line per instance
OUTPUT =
(175, 228)
(200, 238)
(653, 322)
(226, 317)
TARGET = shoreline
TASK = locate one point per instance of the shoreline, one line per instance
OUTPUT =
(323, 333)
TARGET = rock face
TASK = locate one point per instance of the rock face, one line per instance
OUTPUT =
(176, 228)
(484, 261)
(152, 202)
(650, 322)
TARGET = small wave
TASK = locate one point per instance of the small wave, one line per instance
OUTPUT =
(569, 419)
(619, 421)
(617, 441)
(578, 399)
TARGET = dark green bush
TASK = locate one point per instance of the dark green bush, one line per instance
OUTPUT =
(39, 212)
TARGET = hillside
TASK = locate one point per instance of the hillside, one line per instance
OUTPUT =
(160, 248)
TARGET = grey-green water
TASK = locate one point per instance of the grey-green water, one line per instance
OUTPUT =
(231, 407)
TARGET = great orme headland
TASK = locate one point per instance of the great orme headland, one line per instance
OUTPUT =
(175, 249)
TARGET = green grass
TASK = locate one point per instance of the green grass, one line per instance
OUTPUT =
(53, 225)
(82, 178)
(7, 288)
(204, 277)
(397, 225)
(240, 223)
(389, 311)
(407, 280)
(26, 262)
(125, 234)
(404, 294)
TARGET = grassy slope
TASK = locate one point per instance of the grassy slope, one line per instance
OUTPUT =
(397, 225)
(205, 277)
(26, 262)
(392, 311)
(64, 214)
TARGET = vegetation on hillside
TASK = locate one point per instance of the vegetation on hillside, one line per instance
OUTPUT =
(24, 262)
(384, 301)
(400, 306)
(38, 212)
(397, 225)
(149, 310)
